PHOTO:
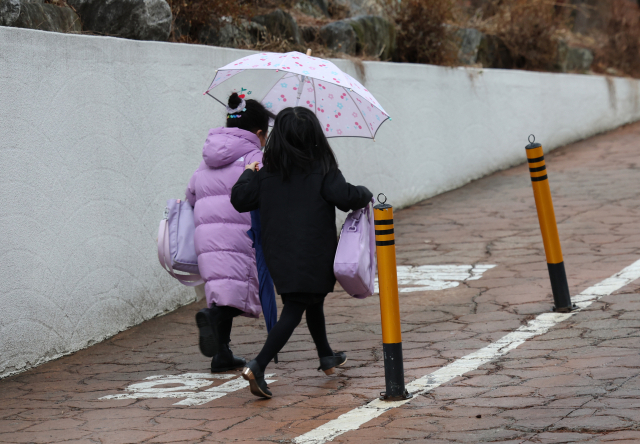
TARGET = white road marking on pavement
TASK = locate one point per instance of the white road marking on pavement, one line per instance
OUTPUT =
(435, 277)
(149, 388)
(541, 324)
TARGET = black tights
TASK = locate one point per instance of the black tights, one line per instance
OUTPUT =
(223, 316)
(289, 320)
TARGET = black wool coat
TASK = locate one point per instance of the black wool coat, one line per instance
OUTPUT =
(298, 223)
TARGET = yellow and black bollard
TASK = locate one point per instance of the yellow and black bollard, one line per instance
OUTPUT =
(389, 304)
(548, 226)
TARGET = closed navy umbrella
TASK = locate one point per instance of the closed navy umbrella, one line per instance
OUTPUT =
(267, 293)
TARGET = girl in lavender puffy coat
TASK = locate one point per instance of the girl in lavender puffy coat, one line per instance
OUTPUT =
(226, 257)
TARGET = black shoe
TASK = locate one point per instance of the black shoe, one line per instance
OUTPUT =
(225, 360)
(329, 363)
(255, 376)
(208, 332)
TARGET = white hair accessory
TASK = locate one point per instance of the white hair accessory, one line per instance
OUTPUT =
(242, 107)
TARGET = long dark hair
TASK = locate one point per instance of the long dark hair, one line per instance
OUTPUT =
(297, 142)
(256, 117)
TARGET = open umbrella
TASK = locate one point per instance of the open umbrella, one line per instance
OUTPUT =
(343, 106)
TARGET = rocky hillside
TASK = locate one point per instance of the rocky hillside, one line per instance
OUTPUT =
(601, 36)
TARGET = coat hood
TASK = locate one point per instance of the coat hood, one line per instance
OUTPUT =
(226, 145)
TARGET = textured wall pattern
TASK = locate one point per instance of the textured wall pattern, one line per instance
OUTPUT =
(96, 133)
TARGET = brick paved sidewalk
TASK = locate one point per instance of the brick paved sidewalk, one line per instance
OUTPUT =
(577, 383)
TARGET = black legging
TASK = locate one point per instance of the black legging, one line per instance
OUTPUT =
(289, 319)
(225, 322)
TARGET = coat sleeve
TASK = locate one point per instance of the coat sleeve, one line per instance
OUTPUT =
(190, 193)
(337, 191)
(255, 156)
(245, 193)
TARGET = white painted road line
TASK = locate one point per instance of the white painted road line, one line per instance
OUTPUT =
(355, 418)
(435, 277)
(151, 388)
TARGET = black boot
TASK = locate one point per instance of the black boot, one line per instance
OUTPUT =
(225, 360)
(255, 376)
(329, 363)
(209, 338)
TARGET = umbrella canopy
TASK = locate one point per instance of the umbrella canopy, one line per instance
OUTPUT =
(343, 106)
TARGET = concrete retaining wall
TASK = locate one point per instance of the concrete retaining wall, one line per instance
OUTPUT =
(96, 133)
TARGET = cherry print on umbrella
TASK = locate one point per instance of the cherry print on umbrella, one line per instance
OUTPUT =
(337, 114)
(327, 128)
(282, 98)
(242, 95)
(320, 85)
(310, 104)
(321, 109)
(358, 125)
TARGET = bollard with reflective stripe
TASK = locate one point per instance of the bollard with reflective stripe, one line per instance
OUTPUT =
(389, 304)
(548, 226)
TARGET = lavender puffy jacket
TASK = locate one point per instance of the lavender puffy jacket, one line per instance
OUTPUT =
(226, 258)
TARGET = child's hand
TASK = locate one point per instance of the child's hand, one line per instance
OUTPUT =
(252, 166)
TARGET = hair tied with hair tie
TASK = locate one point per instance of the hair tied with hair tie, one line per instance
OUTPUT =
(239, 109)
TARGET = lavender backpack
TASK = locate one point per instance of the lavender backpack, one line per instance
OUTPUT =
(176, 247)
(355, 262)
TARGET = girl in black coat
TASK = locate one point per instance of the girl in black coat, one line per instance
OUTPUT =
(297, 193)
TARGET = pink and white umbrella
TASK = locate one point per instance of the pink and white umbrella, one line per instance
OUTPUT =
(344, 107)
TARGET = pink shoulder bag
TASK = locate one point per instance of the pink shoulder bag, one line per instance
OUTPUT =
(355, 263)
(176, 246)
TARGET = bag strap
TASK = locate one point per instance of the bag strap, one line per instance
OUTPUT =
(372, 242)
(164, 256)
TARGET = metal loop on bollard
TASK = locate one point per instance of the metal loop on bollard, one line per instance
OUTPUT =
(385, 198)
(534, 138)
